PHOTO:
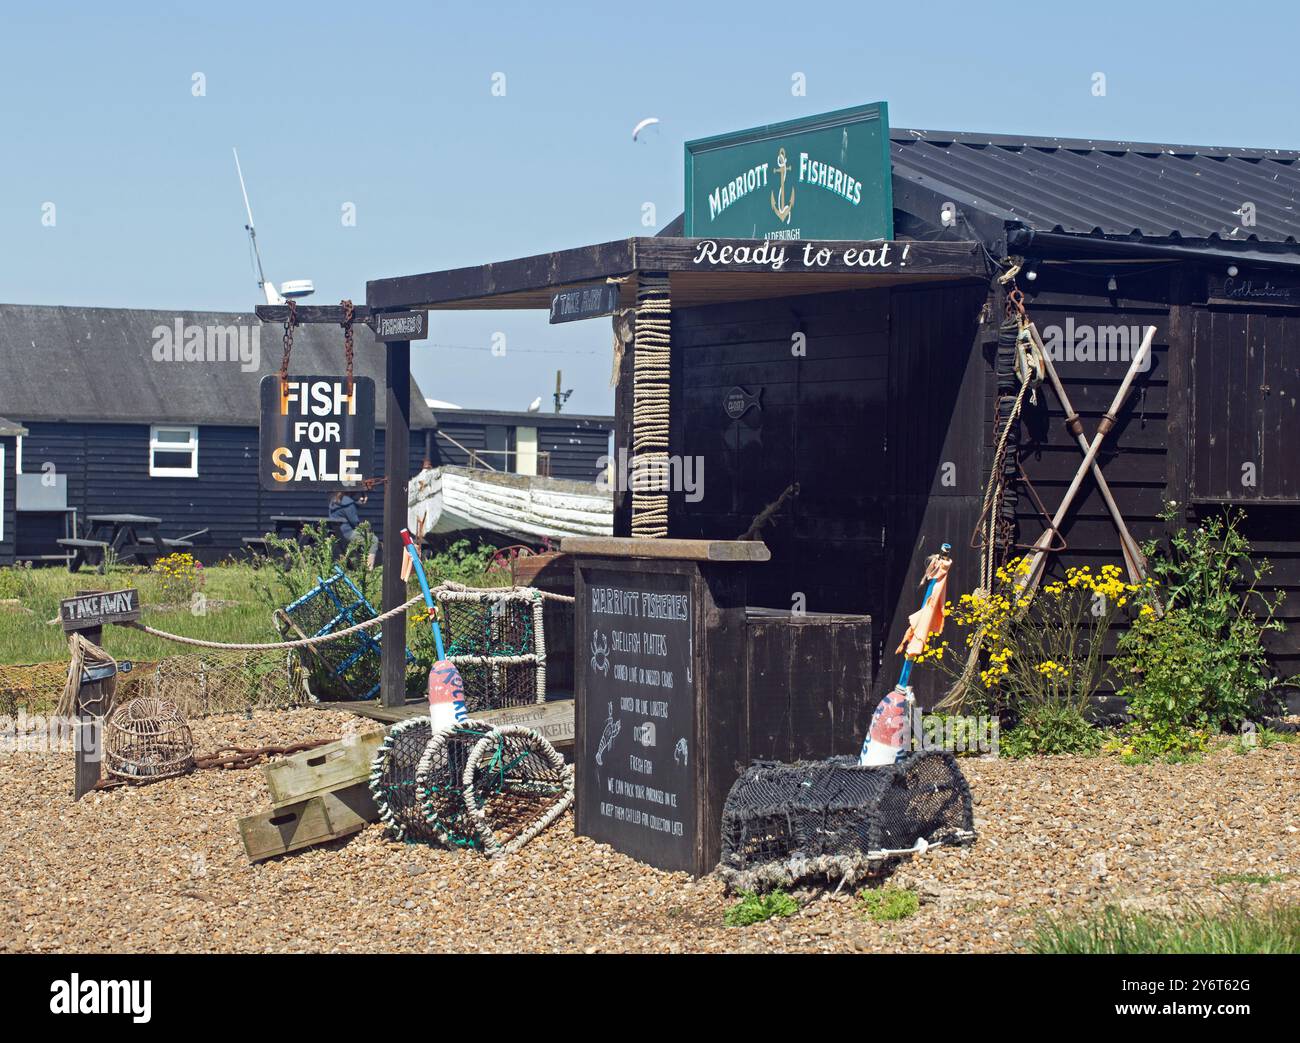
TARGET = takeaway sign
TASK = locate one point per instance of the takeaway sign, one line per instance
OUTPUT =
(824, 177)
(93, 609)
(315, 434)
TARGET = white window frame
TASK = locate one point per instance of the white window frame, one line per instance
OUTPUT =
(18, 454)
(174, 447)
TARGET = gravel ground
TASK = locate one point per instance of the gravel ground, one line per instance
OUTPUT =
(161, 867)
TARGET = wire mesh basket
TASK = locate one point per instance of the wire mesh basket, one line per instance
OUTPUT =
(783, 823)
(147, 739)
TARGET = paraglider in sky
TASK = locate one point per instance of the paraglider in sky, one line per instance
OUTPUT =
(648, 122)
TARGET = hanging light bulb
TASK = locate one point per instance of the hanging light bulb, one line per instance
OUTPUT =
(1112, 285)
(1232, 271)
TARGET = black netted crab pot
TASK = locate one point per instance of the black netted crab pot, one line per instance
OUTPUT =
(784, 823)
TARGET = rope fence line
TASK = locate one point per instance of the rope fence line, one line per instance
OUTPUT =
(216, 677)
(452, 589)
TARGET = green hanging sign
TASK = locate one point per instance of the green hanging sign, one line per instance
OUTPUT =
(823, 177)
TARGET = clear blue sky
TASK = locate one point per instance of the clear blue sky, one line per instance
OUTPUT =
(389, 106)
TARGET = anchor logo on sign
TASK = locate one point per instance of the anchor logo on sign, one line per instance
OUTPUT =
(779, 206)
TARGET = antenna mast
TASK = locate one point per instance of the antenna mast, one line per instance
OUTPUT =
(271, 296)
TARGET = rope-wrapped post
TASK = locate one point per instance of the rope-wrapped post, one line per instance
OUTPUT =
(651, 406)
(539, 643)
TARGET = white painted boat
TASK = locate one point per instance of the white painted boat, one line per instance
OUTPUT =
(525, 507)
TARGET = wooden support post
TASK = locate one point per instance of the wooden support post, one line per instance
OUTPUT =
(87, 748)
(397, 442)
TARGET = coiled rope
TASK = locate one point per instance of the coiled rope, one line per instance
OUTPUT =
(651, 371)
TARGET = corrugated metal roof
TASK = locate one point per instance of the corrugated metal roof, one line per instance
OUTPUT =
(98, 364)
(1115, 188)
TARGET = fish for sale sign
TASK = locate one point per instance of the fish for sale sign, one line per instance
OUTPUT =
(315, 434)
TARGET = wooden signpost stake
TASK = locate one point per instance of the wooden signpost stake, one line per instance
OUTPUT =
(87, 614)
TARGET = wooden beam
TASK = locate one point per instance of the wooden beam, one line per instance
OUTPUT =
(679, 550)
(397, 442)
(561, 268)
(88, 743)
(798, 256)
(313, 313)
(887, 261)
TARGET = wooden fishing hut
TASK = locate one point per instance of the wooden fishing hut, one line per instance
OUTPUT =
(817, 336)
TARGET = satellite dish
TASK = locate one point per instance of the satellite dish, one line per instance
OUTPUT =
(648, 122)
(535, 404)
(295, 288)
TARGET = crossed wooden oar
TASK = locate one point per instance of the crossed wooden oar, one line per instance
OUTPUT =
(1135, 561)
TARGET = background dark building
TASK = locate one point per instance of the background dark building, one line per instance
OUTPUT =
(101, 425)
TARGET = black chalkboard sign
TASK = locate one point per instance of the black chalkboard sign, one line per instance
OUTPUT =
(638, 714)
(314, 436)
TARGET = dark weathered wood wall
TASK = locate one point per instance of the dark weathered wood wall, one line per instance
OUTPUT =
(7, 443)
(1220, 394)
(886, 423)
(576, 447)
(887, 390)
(107, 469)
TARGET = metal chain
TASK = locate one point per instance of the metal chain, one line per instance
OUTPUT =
(289, 323)
(348, 311)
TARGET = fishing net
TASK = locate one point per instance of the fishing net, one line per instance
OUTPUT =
(147, 739)
(496, 639)
(226, 680)
(783, 823)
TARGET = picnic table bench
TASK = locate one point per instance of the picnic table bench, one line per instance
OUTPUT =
(291, 527)
(133, 536)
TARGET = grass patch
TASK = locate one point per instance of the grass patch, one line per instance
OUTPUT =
(235, 607)
(755, 908)
(1275, 929)
(888, 903)
(233, 614)
(1252, 878)
(1050, 729)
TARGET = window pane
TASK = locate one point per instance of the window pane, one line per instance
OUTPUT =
(163, 458)
(181, 435)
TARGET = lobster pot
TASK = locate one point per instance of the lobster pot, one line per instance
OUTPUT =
(439, 784)
(496, 639)
(515, 785)
(394, 778)
(783, 823)
(147, 739)
(494, 686)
